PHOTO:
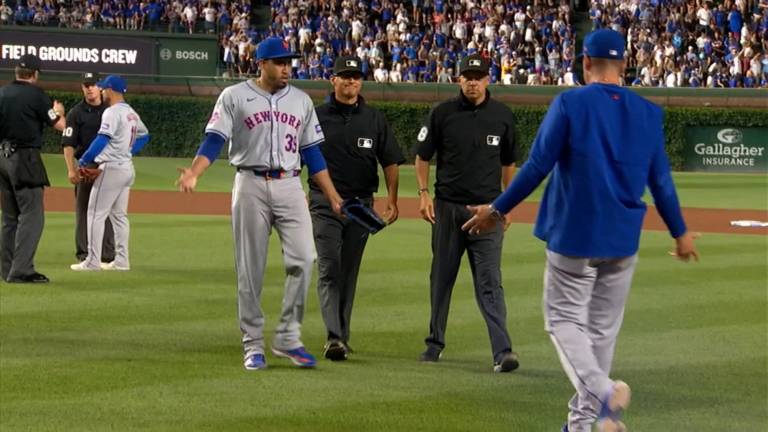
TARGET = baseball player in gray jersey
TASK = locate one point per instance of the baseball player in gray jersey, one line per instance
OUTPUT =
(122, 134)
(271, 128)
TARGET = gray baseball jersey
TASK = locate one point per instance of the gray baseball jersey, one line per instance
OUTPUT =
(122, 125)
(265, 131)
(111, 190)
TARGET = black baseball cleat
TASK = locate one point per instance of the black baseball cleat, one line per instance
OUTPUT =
(348, 348)
(32, 278)
(431, 355)
(335, 350)
(507, 363)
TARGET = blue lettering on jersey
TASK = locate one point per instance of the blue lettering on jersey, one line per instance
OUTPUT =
(268, 116)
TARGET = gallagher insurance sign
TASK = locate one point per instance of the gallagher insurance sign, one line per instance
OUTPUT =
(726, 149)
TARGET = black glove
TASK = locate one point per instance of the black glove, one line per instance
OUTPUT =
(361, 214)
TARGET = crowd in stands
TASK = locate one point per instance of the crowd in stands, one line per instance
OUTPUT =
(526, 42)
(670, 43)
(691, 43)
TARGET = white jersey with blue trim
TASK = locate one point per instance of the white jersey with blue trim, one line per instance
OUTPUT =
(265, 131)
(122, 125)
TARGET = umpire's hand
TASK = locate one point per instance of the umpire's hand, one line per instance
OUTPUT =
(427, 207)
(74, 176)
(391, 213)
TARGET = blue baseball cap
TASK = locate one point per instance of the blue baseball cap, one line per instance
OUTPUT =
(604, 43)
(274, 48)
(114, 82)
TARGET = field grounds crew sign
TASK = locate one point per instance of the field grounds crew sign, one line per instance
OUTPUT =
(726, 149)
(79, 52)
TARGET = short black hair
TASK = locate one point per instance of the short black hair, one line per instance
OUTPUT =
(24, 73)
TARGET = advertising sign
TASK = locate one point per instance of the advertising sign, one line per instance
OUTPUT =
(79, 52)
(726, 149)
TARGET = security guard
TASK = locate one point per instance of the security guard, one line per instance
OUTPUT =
(83, 122)
(473, 137)
(24, 110)
(357, 138)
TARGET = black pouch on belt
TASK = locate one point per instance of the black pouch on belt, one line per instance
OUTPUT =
(30, 170)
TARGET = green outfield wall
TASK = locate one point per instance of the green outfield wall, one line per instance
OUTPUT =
(177, 123)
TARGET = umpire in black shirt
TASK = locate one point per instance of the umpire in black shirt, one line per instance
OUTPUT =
(357, 139)
(473, 137)
(83, 122)
(24, 110)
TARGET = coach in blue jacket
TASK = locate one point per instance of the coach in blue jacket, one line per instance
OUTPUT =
(602, 145)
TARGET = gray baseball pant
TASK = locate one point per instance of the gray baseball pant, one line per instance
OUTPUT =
(340, 244)
(258, 204)
(583, 309)
(82, 197)
(109, 199)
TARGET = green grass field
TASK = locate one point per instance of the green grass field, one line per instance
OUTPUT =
(157, 348)
(734, 191)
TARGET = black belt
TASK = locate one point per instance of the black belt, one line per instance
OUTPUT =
(273, 174)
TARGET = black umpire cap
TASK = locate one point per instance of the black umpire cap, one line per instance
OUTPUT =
(348, 65)
(90, 78)
(30, 62)
(474, 63)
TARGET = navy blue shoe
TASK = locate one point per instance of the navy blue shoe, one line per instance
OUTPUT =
(565, 428)
(614, 405)
(299, 356)
(255, 362)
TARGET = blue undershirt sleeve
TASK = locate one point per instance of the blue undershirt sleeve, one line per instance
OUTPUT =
(545, 152)
(97, 146)
(211, 146)
(139, 144)
(314, 159)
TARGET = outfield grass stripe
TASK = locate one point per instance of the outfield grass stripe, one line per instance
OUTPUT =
(158, 349)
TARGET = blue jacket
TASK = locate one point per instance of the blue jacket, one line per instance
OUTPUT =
(602, 145)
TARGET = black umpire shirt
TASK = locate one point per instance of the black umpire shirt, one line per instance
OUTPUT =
(472, 143)
(356, 137)
(24, 111)
(83, 122)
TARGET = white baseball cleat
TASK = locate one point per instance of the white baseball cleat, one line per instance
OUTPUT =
(81, 267)
(113, 266)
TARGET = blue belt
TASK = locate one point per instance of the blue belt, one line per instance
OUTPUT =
(273, 174)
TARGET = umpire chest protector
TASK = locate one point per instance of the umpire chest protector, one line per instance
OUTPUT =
(357, 138)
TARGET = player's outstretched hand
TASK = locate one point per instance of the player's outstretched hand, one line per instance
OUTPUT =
(685, 248)
(187, 180)
(482, 221)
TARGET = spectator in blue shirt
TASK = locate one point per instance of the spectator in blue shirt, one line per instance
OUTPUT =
(735, 21)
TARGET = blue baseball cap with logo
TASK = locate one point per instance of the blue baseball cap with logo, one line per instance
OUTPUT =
(114, 82)
(604, 43)
(274, 48)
